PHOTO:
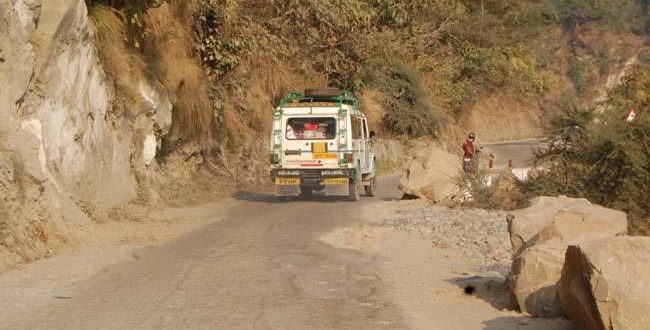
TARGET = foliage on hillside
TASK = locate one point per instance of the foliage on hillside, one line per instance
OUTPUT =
(465, 48)
(226, 63)
(603, 157)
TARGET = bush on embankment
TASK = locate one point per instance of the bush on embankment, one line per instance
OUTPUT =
(600, 155)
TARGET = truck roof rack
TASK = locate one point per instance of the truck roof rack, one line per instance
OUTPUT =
(324, 95)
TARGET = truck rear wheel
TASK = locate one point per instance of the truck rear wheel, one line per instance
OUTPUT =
(306, 192)
(283, 199)
(354, 192)
(370, 189)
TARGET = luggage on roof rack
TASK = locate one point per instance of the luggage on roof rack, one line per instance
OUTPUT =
(320, 95)
(323, 92)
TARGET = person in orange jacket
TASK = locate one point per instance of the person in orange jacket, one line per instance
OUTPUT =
(468, 153)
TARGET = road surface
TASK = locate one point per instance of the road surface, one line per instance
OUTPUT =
(521, 153)
(263, 267)
(255, 263)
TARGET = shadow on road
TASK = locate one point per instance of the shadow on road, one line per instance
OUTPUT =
(493, 290)
(527, 323)
(265, 197)
(387, 191)
(506, 322)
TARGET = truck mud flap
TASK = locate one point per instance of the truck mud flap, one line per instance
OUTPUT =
(286, 190)
(337, 187)
(287, 186)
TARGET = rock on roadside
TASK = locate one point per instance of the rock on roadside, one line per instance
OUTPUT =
(562, 217)
(606, 283)
(540, 235)
(430, 175)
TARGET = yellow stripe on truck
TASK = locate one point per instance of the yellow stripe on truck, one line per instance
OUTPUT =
(287, 181)
(336, 181)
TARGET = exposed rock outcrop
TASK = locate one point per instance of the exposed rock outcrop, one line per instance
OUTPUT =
(540, 235)
(65, 152)
(395, 154)
(605, 284)
(87, 147)
(430, 175)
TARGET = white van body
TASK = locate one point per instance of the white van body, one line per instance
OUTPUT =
(321, 144)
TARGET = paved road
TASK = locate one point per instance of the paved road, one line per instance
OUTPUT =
(522, 153)
(262, 268)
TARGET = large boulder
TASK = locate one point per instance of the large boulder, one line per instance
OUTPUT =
(535, 273)
(606, 283)
(430, 175)
(564, 218)
(540, 235)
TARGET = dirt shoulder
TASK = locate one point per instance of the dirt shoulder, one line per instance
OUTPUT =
(446, 268)
(97, 245)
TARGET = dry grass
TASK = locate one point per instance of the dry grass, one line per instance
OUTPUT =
(247, 96)
(371, 101)
(180, 72)
(260, 81)
(168, 59)
(502, 117)
(263, 81)
(505, 192)
(620, 48)
(124, 66)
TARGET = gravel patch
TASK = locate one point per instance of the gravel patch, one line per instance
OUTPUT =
(471, 233)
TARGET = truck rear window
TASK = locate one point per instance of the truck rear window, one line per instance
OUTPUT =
(317, 128)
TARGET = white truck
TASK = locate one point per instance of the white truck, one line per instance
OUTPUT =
(321, 142)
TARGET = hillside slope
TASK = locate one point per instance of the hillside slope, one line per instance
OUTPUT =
(112, 105)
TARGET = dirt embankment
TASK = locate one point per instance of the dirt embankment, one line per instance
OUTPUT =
(75, 148)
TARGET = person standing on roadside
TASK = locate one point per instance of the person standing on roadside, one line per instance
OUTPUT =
(468, 153)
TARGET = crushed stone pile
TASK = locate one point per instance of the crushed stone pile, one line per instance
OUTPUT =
(472, 233)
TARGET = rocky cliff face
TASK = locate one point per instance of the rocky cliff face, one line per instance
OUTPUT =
(65, 152)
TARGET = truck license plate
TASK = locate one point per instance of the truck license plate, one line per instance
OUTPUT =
(287, 181)
(336, 181)
(324, 155)
(319, 147)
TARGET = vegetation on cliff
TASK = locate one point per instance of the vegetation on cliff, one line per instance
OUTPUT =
(226, 63)
(430, 58)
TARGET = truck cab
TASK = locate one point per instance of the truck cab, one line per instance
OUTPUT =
(321, 142)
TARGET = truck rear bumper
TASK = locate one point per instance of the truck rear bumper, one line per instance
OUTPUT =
(332, 181)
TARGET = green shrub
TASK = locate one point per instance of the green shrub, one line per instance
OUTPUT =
(408, 110)
(566, 130)
(470, 48)
(579, 72)
(132, 13)
(605, 159)
(618, 14)
(331, 34)
(604, 60)
(218, 42)
(492, 190)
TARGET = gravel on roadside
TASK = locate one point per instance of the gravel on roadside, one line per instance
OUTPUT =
(470, 233)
